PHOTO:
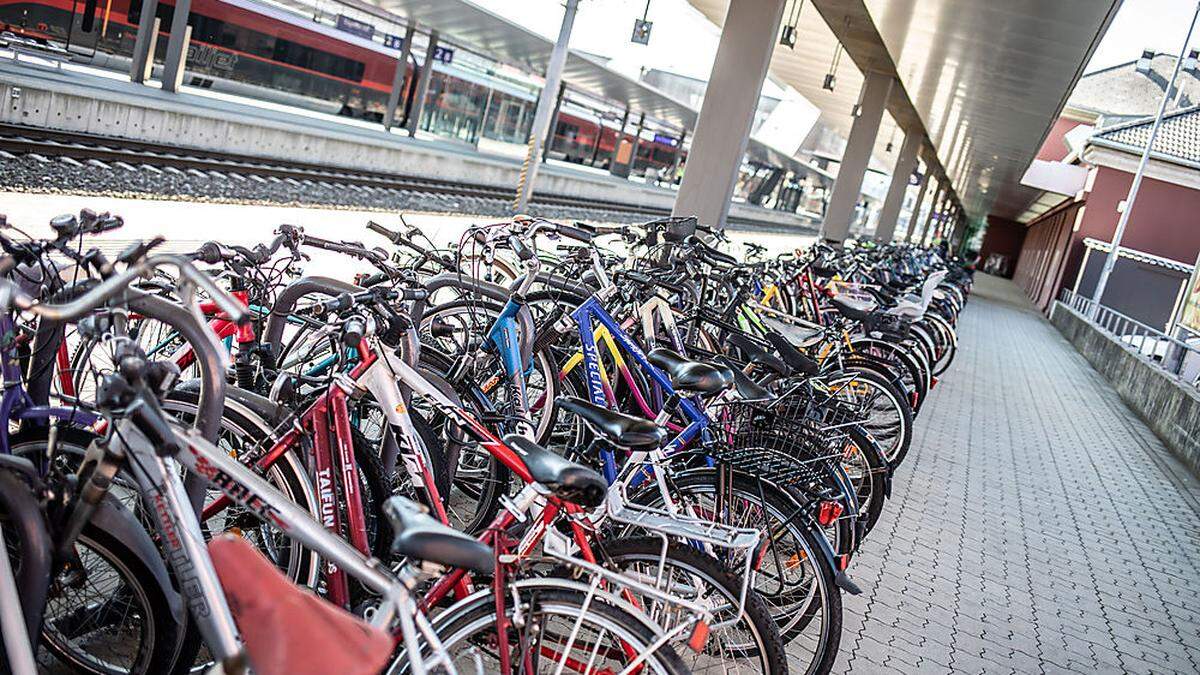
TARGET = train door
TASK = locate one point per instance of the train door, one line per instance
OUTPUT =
(87, 19)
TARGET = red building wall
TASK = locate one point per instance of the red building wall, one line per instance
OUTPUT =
(1040, 270)
(1163, 221)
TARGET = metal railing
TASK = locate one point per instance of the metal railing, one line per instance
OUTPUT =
(1166, 351)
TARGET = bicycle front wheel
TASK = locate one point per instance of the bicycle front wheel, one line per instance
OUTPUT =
(605, 638)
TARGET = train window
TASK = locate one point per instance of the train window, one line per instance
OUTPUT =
(291, 53)
(217, 32)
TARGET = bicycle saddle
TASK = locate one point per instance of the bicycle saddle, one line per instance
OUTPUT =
(569, 481)
(622, 430)
(747, 388)
(796, 359)
(421, 537)
(856, 310)
(691, 377)
(757, 355)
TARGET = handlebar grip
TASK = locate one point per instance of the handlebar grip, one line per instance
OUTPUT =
(209, 253)
(414, 294)
(108, 224)
(524, 254)
(575, 232)
(382, 231)
(373, 280)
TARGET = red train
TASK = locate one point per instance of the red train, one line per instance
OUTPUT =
(266, 52)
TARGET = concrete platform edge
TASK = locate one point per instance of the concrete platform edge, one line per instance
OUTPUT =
(1168, 405)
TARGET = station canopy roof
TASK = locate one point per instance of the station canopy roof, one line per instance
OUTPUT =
(474, 27)
(985, 80)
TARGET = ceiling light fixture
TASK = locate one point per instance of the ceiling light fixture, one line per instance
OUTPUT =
(790, 28)
(831, 76)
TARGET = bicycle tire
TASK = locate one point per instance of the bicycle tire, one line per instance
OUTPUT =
(479, 618)
(767, 646)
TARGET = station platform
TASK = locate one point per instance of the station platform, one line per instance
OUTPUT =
(1038, 524)
(68, 97)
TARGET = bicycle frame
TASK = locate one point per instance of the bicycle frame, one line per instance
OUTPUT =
(586, 316)
(184, 547)
(16, 404)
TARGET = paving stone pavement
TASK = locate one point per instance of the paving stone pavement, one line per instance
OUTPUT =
(1037, 525)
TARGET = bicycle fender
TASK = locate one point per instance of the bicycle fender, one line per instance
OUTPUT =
(118, 522)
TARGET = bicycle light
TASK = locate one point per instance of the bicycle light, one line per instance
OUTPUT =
(828, 513)
(699, 637)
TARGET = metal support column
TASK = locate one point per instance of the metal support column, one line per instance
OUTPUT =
(562, 91)
(617, 138)
(541, 119)
(857, 156)
(177, 44)
(637, 141)
(400, 78)
(906, 161)
(751, 29)
(418, 106)
(145, 42)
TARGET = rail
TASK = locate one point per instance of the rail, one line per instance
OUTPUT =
(1168, 352)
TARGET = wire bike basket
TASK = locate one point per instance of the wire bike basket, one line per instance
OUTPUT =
(790, 442)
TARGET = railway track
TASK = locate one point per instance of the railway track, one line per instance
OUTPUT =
(81, 147)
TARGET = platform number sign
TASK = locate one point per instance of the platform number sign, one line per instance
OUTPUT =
(443, 54)
(641, 31)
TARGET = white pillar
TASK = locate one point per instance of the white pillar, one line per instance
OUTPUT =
(856, 158)
(906, 161)
(719, 141)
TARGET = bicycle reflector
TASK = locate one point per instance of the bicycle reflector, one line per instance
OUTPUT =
(828, 513)
(699, 637)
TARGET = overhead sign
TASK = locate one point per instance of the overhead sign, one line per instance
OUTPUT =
(666, 140)
(443, 54)
(641, 31)
(355, 27)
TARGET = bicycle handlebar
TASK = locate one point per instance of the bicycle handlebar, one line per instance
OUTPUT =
(11, 294)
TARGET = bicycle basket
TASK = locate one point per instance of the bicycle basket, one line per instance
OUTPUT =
(888, 326)
(775, 444)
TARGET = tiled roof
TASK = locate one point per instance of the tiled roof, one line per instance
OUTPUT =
(1123, 92)
(1178, 137)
